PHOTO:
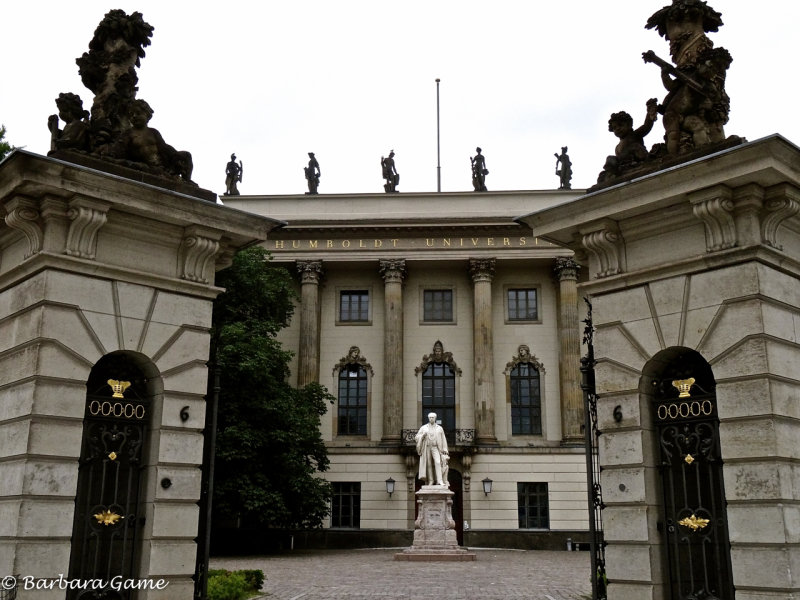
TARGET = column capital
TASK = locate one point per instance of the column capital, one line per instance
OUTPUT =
(566, 268)
(392, 270)
(482, 269)
(310, 271)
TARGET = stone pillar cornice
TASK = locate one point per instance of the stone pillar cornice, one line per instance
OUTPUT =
(482, 269)
(566, 268)
(310, 271)
(393, 270)
(22, 214)
(87, 216)
(603, 240)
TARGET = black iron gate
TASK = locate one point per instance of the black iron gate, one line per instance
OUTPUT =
(108, 513)
(592, 433)
(695, 521)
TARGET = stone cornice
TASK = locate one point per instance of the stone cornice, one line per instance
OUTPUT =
(46, 260)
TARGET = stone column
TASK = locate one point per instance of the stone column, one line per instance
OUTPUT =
(482, 272)
(308, 367)
(569, 352)
(393, 273)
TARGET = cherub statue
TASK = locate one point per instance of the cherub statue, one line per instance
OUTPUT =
(630, 150)
(75, 135)
(696, 106)
(143, 144)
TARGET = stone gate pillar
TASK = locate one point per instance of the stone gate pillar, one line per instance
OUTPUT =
(93, 265)
(702, 260)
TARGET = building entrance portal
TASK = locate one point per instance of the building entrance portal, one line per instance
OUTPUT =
(695, 524)
(108, 510)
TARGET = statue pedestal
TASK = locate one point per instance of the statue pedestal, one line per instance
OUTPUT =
(434, 530)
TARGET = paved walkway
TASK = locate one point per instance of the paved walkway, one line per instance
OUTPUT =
(362, 574)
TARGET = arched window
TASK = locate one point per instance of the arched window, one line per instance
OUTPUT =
(525, 390)
(439, 387)
(352, 400)
(353, 386)
(526, 400)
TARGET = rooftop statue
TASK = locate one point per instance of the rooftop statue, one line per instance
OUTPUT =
(313, 174)
(233, 175)
(696, 106)
(117, 130)
(479, 171)
(390, 173)
(563, 169)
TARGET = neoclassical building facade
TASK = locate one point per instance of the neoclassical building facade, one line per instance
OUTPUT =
(439, 302)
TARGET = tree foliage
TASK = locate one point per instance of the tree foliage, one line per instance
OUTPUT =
(5, 147)
(269, 447)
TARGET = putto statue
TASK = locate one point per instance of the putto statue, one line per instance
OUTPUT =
(630, 151)
(479, 171)
(563, 169)
(312, 174)
(117, 130)
(75, 135)
(696, 106)
(233, 175)
(390, 173)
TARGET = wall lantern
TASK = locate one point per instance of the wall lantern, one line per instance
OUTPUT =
(487, 486)
(390, 486)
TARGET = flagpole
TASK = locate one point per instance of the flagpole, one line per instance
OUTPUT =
(438, 152)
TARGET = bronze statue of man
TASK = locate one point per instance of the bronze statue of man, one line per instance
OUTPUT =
(233, 174)
(563, 169)
(313, 173)
(390, 173)
(479, 171)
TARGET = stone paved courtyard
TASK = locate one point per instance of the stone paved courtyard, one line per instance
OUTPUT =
(372, 573)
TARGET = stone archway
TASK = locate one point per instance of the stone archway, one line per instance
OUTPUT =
(108, 521)
(680, 390)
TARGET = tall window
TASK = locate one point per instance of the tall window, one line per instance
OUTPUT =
(437, 306)
(354, 306)
(439, 395)
(526, 400)
(523, 304)
(352, 400)
(533, 504)
(346, 504)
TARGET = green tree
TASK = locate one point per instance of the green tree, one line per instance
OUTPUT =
(5, 147)
(269, 447)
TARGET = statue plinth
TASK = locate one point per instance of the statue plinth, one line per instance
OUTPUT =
(435, 530)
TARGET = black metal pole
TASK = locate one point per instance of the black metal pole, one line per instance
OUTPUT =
(207, 489)
(438, 146)
(587, 385)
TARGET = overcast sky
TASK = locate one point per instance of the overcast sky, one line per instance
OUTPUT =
(352, 80)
